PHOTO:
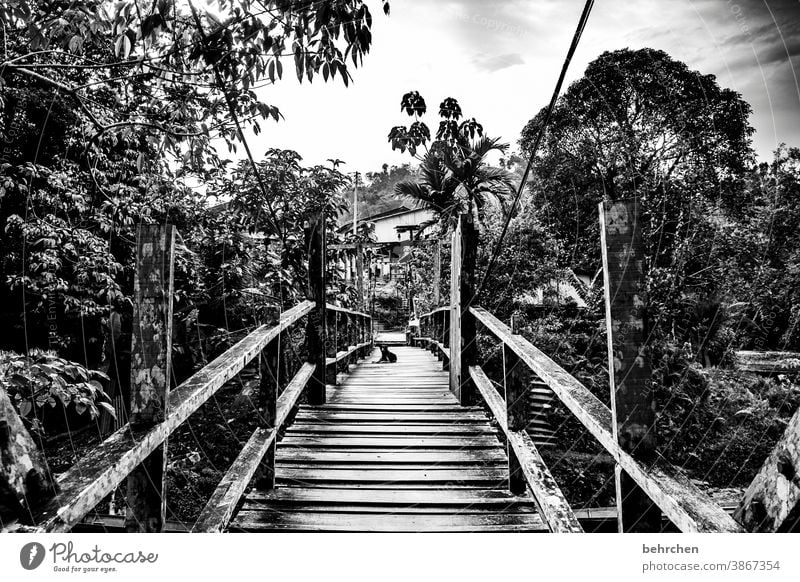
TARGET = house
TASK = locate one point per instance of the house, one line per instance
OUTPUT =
(394, 231)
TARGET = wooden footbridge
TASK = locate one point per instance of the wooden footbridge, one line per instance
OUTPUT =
(429, 443)
(391, 450)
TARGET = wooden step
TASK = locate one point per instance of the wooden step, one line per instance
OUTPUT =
(265, 521)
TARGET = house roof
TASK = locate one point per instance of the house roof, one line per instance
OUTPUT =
(347, 224)
(388, 213)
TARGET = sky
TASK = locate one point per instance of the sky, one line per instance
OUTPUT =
(501, 58)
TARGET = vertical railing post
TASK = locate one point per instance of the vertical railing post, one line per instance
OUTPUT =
(360, 333)
(362, 300)
(437, 273)
(455, 310)
(430, 332)
(446, 336)
(331, 347)
(632, 403)
(350, 339)
(267, 406)
(435, 320)
(517, 378)
(316, 331)
(151, 369)
(462, 323)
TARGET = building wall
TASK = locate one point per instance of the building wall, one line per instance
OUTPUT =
(385, 227)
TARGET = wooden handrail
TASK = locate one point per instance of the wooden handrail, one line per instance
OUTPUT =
(553, 505)
(437, 310)
(344, 354)
(347, 311)
(94, 476)
(689, 508)
(220, 507)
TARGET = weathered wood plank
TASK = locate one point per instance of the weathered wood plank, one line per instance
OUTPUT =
(462, 323)
(516, 377)
(151, 355)
(437, 310)
(552, 503)
(632, 402)
(519, 508)
(316, 327)
(405, 442)
(391, 456)
(439, 417)
(364, 407)
(98, 473)
(345, 354)
(332, 522)
(421, 497)
(381, 428)
(151, 370)
(686, 506)
(772, 501)
(269, 381)
(437, 272)
(220, 507)
(427, 475)
(454, 361)
(469, 350)
(362, 297)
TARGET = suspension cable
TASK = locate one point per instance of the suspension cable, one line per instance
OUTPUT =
(573, 46)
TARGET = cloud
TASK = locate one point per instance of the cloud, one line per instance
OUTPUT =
(483, 52)
(498, 62)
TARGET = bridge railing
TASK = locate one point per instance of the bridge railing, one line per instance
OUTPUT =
(686, 506)
(349, 338)
(335, 337)
(434, 333)
(97, 474)
(450, 332)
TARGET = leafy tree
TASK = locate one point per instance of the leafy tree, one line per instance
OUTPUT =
(767, 279)
(517, 276)
(104, 107)
(164, 71)
(277, 214)
(640, 124)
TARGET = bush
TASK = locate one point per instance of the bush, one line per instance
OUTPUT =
(50, 392)
(720, 425)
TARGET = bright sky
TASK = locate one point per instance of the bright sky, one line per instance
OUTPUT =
(500, 59)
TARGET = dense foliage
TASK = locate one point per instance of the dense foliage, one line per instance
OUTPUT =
(109, 112)
(49, 390)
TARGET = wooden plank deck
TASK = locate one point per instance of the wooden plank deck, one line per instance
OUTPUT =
(393, 451)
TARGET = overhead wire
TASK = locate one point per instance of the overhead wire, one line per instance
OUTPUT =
(539, 136)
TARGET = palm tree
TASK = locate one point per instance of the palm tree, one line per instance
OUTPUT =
(435, 188)
(454, 178)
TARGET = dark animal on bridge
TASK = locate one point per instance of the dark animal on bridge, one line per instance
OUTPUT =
(387, 356)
